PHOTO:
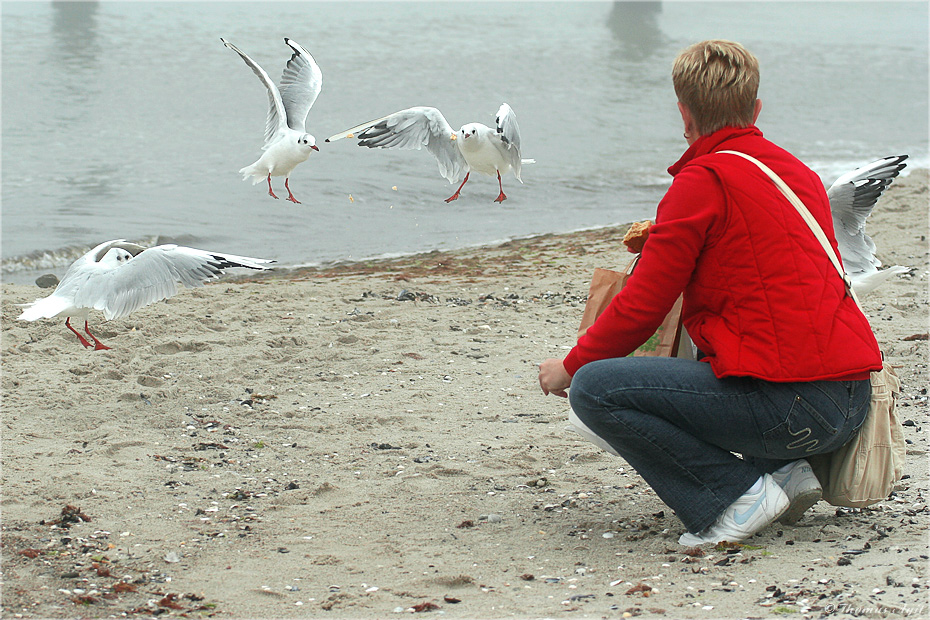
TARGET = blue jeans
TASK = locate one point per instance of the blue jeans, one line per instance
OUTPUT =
(679, 426)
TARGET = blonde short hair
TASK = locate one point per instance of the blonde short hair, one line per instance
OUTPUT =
(718, 82)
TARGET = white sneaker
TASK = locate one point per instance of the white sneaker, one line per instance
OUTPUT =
(744, 517)
(575, 424)
(799, 483)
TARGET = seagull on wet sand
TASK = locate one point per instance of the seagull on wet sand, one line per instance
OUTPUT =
(475, 147)
(118, 277)
(852, 198)
(287, 142)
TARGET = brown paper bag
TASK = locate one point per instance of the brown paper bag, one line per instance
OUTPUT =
(670, 340)
(605, 284)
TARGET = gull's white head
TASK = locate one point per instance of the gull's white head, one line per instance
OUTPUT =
(306, 141)
(115, 257)
(468, 131)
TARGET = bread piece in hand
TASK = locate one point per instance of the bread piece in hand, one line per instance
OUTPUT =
(636, 236)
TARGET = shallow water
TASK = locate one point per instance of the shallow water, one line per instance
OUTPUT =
(131, 120)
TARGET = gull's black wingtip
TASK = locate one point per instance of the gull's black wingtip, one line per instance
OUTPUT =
(895, 159)
(899, 163)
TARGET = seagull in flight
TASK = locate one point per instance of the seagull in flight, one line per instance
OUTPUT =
(287, 142)
(474, 147)
(118, 277)
(852, 198)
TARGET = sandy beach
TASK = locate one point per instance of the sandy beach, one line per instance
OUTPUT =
(370, 440)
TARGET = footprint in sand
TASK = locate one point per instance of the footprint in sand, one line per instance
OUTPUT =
(171, 348)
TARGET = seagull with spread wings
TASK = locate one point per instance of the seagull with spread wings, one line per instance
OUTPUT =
(118, 277)
(287, 142)
(852, 198)
(474, 147)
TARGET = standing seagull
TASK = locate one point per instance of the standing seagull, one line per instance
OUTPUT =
(852, 198)
(475, 146)
(287, 142)
(118, 278)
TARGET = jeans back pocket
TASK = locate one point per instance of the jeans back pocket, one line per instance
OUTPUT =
(803, 432)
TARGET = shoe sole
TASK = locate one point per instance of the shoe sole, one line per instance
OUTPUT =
(799, 505)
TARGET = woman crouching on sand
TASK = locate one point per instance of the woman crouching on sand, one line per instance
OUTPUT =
(784, 353)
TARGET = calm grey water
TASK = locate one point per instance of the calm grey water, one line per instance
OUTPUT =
(131, 120)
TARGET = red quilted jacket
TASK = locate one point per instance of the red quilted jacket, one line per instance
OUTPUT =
(761, 298)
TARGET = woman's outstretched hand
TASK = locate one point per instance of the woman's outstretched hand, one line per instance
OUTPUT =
(553, 378)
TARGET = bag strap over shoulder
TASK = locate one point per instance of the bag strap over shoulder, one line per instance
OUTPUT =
(808, 218)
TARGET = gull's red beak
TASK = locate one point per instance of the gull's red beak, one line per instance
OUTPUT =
(314, 147)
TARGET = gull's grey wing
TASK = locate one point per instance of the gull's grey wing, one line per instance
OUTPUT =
(153, 275)
(277, 115)
(509, 133)
(301, 84)
(857, 251)
(413, 128)
(852, 198)
(854, 194)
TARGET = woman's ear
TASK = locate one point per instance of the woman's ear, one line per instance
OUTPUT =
(691, 132)
(756, 111)
(685, 114)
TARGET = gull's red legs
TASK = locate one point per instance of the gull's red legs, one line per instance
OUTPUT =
(290, 196)
(98, 346)
(83, 340)
(502, 197)
(271, 193)
(456, 194)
